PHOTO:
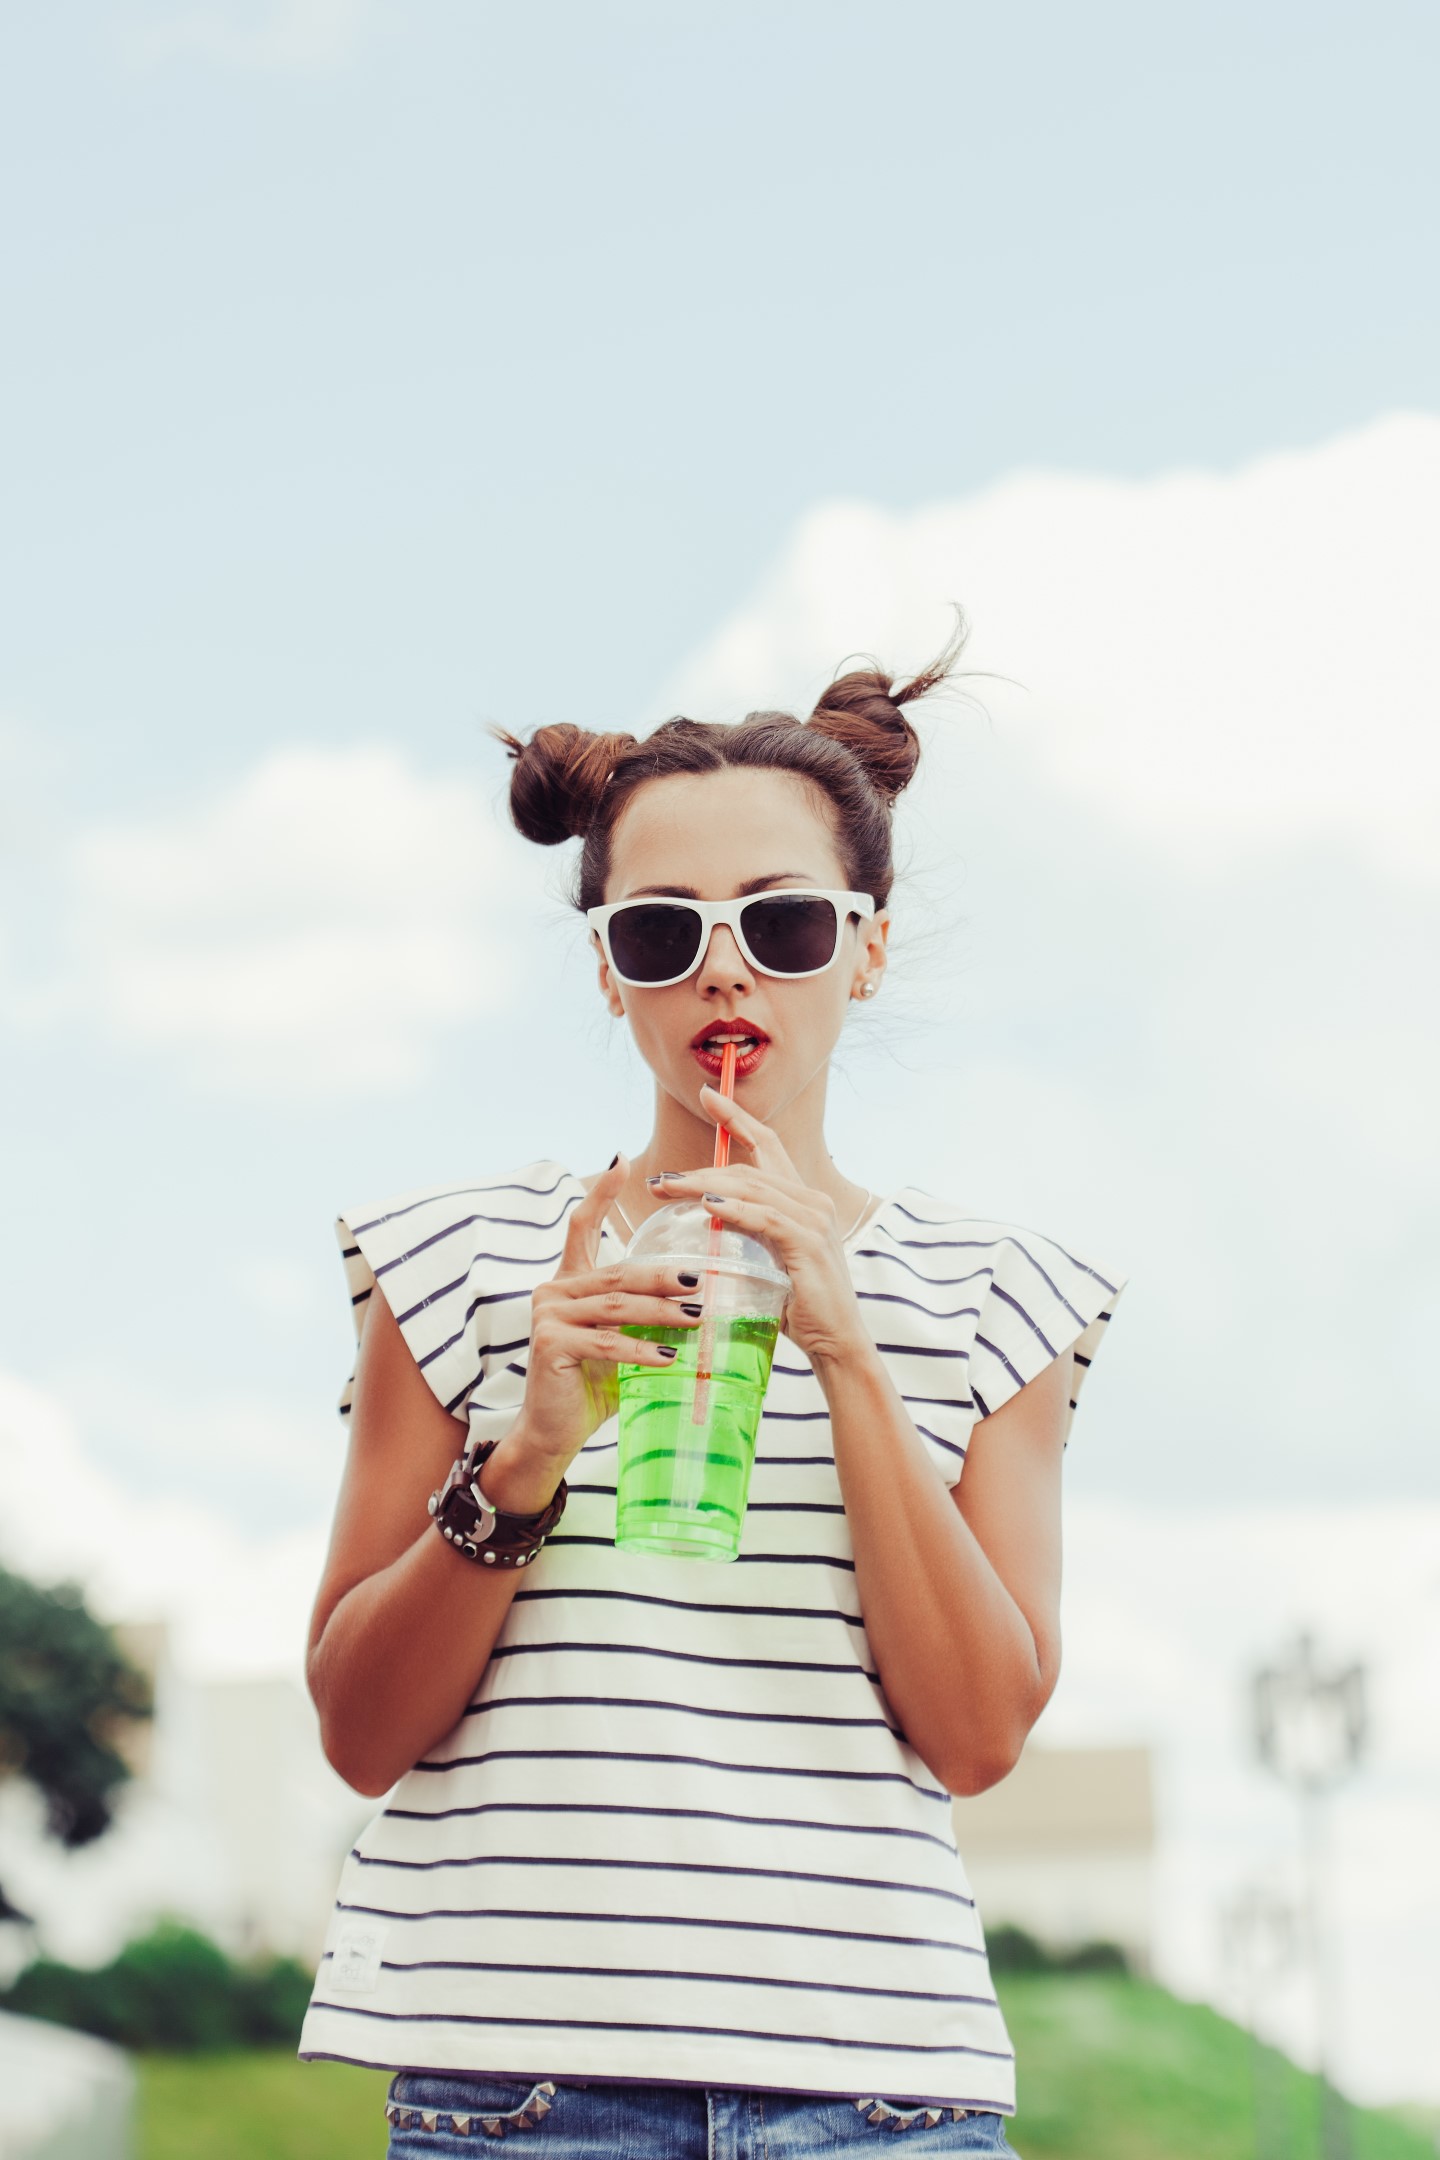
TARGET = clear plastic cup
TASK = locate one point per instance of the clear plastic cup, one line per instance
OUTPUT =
(688, 1429)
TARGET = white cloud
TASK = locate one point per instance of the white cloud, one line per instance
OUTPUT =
(238, 1604)
(305, 935)
(281, 36)
(1213, 661)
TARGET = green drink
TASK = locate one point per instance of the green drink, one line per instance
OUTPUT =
(682, 1483)
(687, 1429)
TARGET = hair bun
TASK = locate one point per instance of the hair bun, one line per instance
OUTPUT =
(559, 778)
(862, 711)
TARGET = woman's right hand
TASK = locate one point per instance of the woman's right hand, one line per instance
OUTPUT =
(572, 1384)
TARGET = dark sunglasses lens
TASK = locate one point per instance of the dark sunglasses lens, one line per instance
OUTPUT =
(792, 935)
(655, 942)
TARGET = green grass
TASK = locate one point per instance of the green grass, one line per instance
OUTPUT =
(1117, 2069)
(1109, 2069)
(265, 2105)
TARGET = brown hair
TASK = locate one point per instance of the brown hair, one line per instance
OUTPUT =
(857, 749)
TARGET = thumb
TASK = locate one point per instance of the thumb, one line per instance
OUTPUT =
(582, 1232)
(610, 1181)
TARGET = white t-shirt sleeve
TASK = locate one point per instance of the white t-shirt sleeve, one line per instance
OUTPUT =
(1042, 1298)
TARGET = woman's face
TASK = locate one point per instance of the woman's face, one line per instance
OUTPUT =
(712, 836)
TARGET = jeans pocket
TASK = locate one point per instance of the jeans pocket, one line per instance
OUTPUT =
(960, 2129)
(421, 2110)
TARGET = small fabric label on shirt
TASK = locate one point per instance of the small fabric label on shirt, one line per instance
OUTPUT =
(355, 1963)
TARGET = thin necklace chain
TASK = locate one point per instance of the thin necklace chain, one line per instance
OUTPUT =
(869, 1196)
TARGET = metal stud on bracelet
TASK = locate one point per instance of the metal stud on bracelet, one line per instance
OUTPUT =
(480, 1530)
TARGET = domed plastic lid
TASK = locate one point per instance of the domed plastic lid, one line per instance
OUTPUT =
(682, 1231)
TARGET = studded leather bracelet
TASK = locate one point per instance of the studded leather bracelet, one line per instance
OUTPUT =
(481, 1531)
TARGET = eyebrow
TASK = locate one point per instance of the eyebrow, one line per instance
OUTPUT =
(754, 884)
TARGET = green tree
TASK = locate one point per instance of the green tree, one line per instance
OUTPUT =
(173, 1988)
(67, 1695)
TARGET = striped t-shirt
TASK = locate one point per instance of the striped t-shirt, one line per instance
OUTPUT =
(678, 1835)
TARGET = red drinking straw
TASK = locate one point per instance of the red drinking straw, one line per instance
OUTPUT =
(705, 1356)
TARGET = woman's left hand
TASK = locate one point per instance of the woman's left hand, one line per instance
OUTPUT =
(768, 1199)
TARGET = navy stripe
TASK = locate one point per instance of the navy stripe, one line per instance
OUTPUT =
(979, 1244)
(424, 1303)
(461, 1222)
(937, 1282)
(662, 1867)
(456, 1192)
(638, 1702)
(795, 1507)
(1000, 1292)
(664, 1972)
(699, 1762)
(685, 1657)
(680, 1920)
(753, 1507)
(675, 1604)
(801, 1462)
(1000, 1359)
(905, 1349)
(716, 2032)
(951, 1447)
(891, 1297)
(744, 1559)
(668, 1814)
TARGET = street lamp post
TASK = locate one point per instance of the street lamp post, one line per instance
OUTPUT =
(1259, 1938)
(1310, 1728)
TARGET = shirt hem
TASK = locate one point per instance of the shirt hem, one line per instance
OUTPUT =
(975, 2103)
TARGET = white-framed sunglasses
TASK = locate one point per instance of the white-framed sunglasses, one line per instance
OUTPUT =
(792, 931)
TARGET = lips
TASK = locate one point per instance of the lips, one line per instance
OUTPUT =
(707, 1046)
(739, 1027)
(710, 1061)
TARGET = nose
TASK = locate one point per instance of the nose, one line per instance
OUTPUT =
(724, 966)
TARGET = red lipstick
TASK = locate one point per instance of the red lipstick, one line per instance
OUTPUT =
(705, 1045)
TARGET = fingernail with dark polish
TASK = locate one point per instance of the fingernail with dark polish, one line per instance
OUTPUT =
(693, 1310)
(666, 1349)
(612, 1162)
(689, 1282)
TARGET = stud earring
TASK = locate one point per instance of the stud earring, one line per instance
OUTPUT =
(867, 989)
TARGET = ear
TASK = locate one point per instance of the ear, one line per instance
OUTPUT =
(870, 943)
(608, 989)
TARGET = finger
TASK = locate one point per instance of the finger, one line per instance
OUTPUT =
(769, 1219)
(607, 1346)
(618, 1308)
(764, 1143)
(653, 1278)
(746, 1182)
(582, 1231)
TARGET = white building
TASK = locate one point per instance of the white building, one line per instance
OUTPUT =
(1064, 1847)
(232, 1821)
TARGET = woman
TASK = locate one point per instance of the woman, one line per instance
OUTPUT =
(669, 1868)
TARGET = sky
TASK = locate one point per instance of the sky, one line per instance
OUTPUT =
(374, 375)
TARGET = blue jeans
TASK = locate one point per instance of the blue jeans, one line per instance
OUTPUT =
(439, 2117)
